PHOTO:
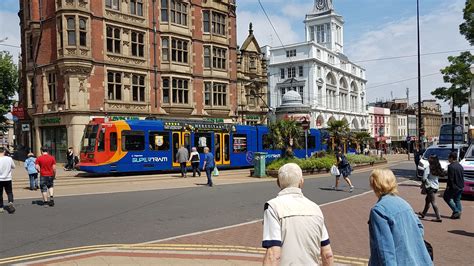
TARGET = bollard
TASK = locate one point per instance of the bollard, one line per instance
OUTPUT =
(259, 164)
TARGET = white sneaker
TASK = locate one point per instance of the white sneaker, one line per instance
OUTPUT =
(351, 189)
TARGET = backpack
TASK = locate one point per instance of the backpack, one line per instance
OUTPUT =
(344, 160)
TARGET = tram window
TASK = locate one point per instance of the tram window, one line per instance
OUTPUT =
(133, 140)
(311, 142)
(240, 143)
(202, 140)
(217, 147)
(226, 147)
(101, 141)
(266, 143)
(113, 141)
(159, 141)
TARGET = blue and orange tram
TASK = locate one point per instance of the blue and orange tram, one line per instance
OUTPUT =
(150, 145)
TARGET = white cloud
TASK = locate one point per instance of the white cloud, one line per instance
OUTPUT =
(439, 31)
(9, 28)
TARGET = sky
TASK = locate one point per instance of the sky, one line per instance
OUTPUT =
(373, 29)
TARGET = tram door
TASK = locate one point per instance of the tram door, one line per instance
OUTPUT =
(178, 139)
(222, 148)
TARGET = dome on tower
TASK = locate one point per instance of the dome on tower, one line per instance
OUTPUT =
(291, 98)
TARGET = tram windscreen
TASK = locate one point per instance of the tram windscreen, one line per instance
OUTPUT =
(89, 138)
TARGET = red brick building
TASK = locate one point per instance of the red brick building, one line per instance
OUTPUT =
(115, 58)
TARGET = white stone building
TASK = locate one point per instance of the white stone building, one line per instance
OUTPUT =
(317, 69)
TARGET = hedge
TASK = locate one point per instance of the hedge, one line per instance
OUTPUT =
(322, 163)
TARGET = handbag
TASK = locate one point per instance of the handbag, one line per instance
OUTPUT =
(215, 172)
(423, 189)
(335, 171)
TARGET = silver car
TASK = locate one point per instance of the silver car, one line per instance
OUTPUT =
(442, 151)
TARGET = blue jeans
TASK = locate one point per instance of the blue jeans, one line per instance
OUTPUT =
(453, 199)
(209, 175)
(33, 181)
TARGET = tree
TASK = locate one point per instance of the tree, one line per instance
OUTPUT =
(338, 129)
(467, 28)
(459, 75)
(285, 135)
(361, 137)
(9, 85)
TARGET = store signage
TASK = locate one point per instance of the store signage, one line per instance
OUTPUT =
(25, 127)
(19, 112)
(149, 159)
(117, 118)
(50, 120)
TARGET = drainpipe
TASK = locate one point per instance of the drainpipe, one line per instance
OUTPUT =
(35, 65)
(155, 66)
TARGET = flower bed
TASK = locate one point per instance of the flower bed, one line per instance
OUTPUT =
(325, 163)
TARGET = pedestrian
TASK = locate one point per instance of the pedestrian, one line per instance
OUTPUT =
(417, 155)
(345, 170)
(46, 166)
(6, 166)
(182, 157)
(30, 166)
(396, 234)
(430, 184)
(69, 159)
(194, 158)
(455, 185)
(208, 165)
(294, 232)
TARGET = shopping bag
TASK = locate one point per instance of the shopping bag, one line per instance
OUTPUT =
(335, 171)
(215, 172)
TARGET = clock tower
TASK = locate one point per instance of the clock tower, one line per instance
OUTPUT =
(324, 26)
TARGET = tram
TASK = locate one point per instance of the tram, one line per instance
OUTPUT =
(151, 145)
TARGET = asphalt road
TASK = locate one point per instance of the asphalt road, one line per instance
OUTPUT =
(135, 217)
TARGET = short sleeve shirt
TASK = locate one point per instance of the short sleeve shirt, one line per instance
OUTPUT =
(209, 159)
(46, 163)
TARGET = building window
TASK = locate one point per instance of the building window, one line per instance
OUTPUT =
(179, 50)
(71, 31)
(214, 21)
(282, 73)
(207, 56)
(138, 88)
(82, 32)
(180, 91)
(291, 53)
(331, 59)
(136, 7)
(112, 4)
(300, 71)
(179, 13)
(291, 72)
(311, 33)
(164, 10)
(52, 86)
(33, 91)
(215, 93)
(138, 44)
(114, 85)
(165, 49)
(113, 39)
(322, 33)
(338, 34)
(219, 58)
(30, 47)
(166, 90)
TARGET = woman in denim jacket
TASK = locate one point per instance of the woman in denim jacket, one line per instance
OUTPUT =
(32, 172)
(396, 234)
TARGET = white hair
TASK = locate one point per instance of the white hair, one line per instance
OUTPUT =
(289, 175)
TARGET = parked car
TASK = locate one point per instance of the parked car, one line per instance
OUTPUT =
(468, 165)
(442, 151)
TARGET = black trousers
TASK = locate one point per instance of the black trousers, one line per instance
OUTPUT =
(183, 168)
(8, 189)
(196, 168)
(431, 199)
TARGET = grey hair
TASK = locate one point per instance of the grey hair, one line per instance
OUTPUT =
(289, 175)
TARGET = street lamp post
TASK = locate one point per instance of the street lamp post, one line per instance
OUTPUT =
(419, 71)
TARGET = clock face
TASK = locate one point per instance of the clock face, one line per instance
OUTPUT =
(320, 4)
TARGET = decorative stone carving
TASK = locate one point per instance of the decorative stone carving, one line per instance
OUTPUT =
(126, 60)
(124, 17)
(76, 70)
(127, 107)
(84, 52)
(71, 51)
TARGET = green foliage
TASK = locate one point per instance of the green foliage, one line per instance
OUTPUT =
(459, 75)
(285, 135)
(467, 28)
(361, 137)
(9, 85)
(338, 129)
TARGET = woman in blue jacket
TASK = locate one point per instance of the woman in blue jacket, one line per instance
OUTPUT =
(396, 234)
(30, 166)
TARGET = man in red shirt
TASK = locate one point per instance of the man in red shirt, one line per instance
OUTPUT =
(46, 166)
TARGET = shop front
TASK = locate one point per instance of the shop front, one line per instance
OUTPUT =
(55, 138)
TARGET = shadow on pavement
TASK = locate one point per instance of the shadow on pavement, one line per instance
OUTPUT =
(406, 173)
(37, 202)
(461, 232)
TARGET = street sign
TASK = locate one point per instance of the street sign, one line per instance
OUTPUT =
(304, 123)
(19, 112)
(25, 127)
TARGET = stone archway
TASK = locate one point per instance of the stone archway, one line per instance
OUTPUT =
(319, 121)
(355, 124)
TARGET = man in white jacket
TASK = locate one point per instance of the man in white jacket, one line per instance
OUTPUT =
(294, 232)
(6, 166)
